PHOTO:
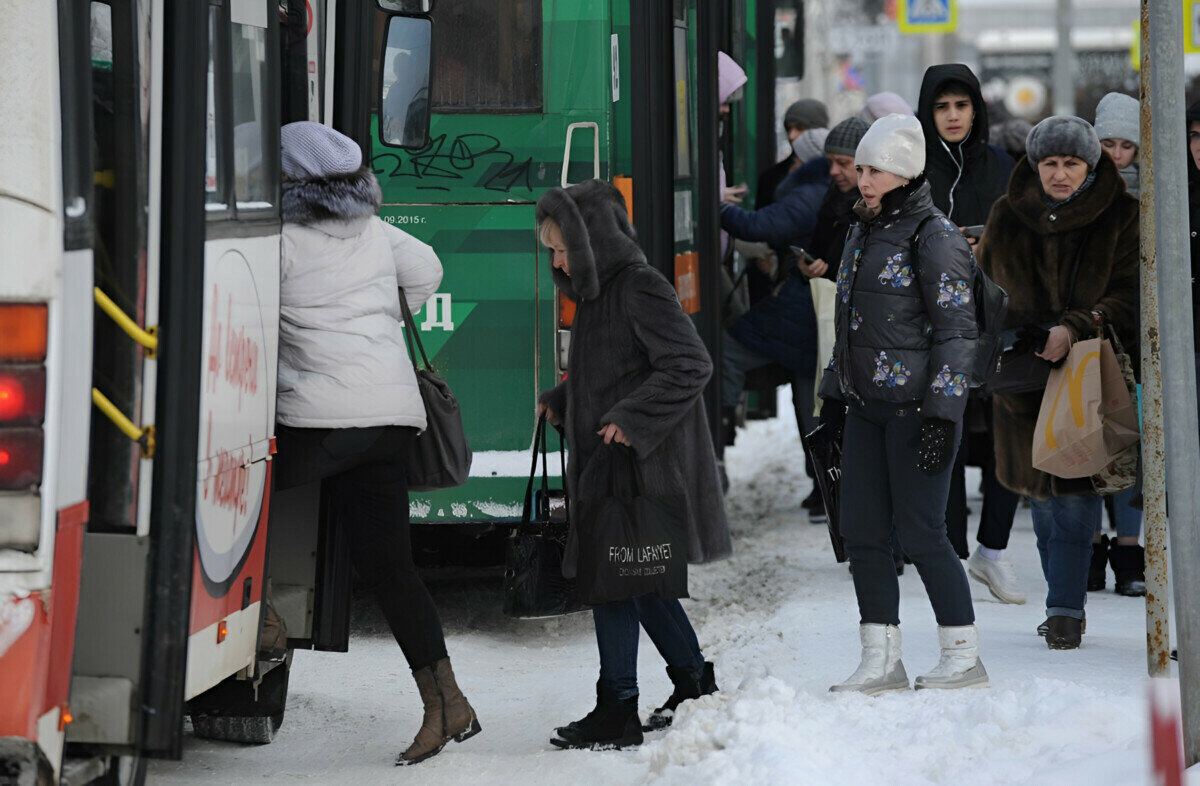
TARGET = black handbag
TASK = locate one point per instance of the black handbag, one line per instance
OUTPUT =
(631, 542)
(440, 456)
(534, 585)
(825, 451)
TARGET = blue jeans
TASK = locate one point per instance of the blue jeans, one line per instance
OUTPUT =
(617, 633)
(1126, 517)
(1064, 528)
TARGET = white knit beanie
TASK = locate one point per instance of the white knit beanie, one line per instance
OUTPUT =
(810, 144)
(893, 143)
(1118, 116)
(315, 151)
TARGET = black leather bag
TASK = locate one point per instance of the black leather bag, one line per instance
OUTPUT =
(440, 456)
(825, 450)
(631, 542)
(534, 585)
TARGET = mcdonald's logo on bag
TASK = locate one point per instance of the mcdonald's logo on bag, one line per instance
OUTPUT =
(1072, 380)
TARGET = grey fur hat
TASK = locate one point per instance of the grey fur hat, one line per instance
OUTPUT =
(843, 138)
(894, 143)
(810, 144)
(315, 151)
(807, 112)
(1118, 116)
(1063, 135)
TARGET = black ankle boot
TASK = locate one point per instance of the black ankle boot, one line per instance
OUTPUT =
(1129, 568)
(1096, 575)
(1064, 633)
(612, 725)
(688, 685)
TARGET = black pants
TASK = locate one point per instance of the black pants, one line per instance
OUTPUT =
(363, 473)
(882, 490)
(999, 506)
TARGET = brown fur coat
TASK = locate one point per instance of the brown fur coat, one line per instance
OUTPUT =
(1029, 249)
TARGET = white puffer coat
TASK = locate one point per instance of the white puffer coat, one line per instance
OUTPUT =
(342, 357)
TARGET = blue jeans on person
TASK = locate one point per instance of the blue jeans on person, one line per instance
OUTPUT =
(617, 635)
(1064, 528)
(1126, 517)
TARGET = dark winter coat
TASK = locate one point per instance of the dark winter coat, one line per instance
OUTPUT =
(966, 179)
(771, 179)
(905, 322)
(636, 361)
(793, 215)
(833, 225)
(1030, 248)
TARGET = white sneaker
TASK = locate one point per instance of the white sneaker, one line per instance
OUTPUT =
(959, 666)
(998, 576)
(880, 670)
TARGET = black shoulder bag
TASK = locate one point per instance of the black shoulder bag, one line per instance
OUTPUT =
(534, 585)
(440, 456)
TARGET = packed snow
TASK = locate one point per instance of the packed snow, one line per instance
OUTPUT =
(779, 620)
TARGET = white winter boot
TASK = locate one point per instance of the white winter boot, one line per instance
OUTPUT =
(880, 670)
(960, 666)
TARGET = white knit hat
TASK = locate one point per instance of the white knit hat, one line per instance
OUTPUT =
(312, 150)
(893, 143)
(1118, 116)
(810, 144)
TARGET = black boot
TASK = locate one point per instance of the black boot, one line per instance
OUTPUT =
(688, 685)
(728, 425)
(612, 725)
(1129, 568)
(1096, 576)
(1063, 633)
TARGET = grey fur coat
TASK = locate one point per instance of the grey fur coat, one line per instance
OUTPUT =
(636, 361)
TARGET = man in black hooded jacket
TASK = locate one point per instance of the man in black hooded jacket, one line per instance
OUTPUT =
(966, 176)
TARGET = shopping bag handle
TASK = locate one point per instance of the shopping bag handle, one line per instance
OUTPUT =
(539, 449)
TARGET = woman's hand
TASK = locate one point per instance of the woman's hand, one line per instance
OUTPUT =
(612, 433)
(1057, 345)
(550, 416)
(815, 270)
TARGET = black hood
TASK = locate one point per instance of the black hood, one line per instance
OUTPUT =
(935, 77)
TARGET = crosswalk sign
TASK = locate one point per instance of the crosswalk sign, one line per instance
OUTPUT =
(927, 16)
(1191, 26)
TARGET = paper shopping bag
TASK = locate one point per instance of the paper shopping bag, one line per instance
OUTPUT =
(1068, 440)
(824, 295)
(1121, 421)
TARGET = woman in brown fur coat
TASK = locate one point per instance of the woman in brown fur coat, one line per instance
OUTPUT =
(1064, 243)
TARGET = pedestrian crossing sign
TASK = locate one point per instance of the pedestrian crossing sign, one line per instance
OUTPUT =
(1191, 26)
(927, 16)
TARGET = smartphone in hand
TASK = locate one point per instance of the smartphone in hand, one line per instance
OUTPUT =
(975, 231)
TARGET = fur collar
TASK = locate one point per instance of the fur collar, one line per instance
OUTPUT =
(344, 198)
(1026, 198)
(600, 240)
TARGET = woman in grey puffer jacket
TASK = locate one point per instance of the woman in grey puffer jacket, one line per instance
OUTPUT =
(904, 351)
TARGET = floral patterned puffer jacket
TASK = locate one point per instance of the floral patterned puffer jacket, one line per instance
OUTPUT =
(905, 319)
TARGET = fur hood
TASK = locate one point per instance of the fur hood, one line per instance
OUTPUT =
(1027, 199)
(345, 198)
(595, 226)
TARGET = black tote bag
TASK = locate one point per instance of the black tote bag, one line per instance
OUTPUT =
(534, 585)
(440, 456)
(826, 455)
(632, 541)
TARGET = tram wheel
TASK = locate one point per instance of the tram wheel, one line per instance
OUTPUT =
(251, 730)
(240, 711)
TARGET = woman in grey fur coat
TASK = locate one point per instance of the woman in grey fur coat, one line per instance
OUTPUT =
(637, 372)
(347, 405)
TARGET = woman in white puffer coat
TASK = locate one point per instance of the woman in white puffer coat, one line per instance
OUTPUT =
(348, 405)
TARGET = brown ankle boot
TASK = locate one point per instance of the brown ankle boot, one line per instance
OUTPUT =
(461, 723)
(431, 737)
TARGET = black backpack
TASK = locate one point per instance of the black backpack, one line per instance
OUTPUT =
(991, 306)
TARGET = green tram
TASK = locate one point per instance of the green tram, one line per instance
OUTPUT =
(527, 95)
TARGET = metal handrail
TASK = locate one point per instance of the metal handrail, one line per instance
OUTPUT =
(147, 337)
(143, 436)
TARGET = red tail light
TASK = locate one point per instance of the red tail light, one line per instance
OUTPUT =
(22, 395)
(20, 458)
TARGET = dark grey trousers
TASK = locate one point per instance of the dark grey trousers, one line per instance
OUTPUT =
(882, 490)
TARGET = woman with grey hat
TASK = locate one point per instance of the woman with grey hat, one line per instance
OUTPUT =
(347, 405)
(896, 389)
(1119, 127)
(1064, 243)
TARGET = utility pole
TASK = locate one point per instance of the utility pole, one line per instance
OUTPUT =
(1172, 251)
(1154, 492)
(1064, 61)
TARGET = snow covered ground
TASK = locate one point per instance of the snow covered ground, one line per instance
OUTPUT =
(779, 620)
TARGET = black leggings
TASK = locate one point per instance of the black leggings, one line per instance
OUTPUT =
(363, 474)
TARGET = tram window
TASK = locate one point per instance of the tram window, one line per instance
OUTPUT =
(215, 192)
(487, 57)
(407, 6)
(679, 9)
(789, 40)
(253, 184)
(404, 108)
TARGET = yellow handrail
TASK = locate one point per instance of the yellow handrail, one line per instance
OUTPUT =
(142, 436)
(148, 338)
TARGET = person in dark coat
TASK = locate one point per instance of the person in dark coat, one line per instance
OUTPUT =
(966, 176)
(1064, 244)
(903, 353)
(805, 114)
(836, 213)
(637, 372)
